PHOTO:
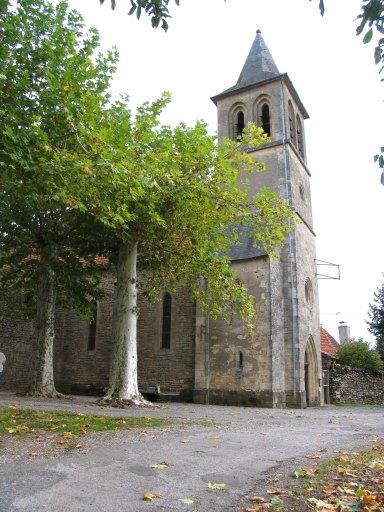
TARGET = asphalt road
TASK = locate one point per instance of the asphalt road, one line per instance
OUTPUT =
(239, 447)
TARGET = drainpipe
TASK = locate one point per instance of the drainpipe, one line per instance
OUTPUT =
(290, 241)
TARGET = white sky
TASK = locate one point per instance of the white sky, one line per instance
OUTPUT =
(203, 53)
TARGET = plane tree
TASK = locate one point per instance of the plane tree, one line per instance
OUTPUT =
(172, 203)
(53, 88)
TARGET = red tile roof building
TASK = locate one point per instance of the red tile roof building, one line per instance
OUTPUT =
(328, 344)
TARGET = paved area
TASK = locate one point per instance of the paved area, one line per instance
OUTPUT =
(235, 446)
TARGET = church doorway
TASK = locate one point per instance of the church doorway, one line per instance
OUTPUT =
(311, 374)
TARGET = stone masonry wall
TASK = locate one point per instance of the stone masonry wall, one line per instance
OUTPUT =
(354, 385)
(16, 345)
(238, 365)
(81, 370)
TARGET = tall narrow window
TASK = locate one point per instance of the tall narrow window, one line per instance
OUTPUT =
(167, 315)
(239, 125)
(265, 119)
(300, 140)
(241, 360)
(292, 127)
(92, 330)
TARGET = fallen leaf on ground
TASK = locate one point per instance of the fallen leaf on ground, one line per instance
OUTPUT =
(152, 496)
(257, 499)
(321, 505)
(185, 441)
(258, 508)
(303, 473)
(186, 501)
(329, 489)
(369, 499)
(216, 487)
(162, 465)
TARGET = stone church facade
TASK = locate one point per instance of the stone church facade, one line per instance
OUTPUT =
(183, 352)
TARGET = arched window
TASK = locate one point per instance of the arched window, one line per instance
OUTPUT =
(300, 140)
(308, 291)
(167, 315)
(292, 127)
(265, 119)
(239, 125)
(92, 330)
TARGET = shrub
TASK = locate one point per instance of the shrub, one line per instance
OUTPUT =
(360, 355)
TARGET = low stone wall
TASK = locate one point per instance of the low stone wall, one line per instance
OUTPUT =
(354, 385)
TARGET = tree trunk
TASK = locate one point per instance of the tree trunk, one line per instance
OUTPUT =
(123, 386)
(42, 380)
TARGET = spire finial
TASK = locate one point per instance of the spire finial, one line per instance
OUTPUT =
(258, 31)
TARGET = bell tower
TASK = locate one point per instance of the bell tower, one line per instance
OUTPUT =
(281, 364)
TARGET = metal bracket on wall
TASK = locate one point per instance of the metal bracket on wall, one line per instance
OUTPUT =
(333, 268)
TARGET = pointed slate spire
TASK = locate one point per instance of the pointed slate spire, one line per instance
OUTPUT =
(259, 65)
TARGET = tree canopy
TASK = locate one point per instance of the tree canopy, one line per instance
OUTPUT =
(376, 319)
(53, 87)
(358, 353)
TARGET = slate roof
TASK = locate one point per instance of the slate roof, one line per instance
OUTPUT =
(328, 344)
(259, 66)
(245, 250)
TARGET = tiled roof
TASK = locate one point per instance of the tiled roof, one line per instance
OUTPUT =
(328, 343)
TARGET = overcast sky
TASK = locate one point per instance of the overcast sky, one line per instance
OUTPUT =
(334, 73)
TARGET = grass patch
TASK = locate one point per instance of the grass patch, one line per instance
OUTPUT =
(19, 422)
(349, 483)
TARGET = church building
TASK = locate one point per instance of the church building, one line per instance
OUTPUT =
(182, 353)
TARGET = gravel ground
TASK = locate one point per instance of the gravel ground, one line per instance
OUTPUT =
(243, 448)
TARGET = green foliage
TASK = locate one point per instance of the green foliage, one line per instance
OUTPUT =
(176, 193)
(156, 9)
(359, 355)
(53, 87)
(376, 319)
(372, 16)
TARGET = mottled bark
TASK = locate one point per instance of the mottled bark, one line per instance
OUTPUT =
(42, 383)
(123, 387)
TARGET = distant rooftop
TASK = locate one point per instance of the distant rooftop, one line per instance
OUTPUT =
(328, 344)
